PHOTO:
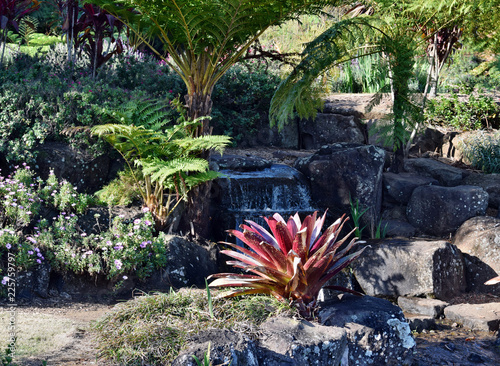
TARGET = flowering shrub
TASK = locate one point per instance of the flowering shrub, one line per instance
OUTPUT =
(125, 248)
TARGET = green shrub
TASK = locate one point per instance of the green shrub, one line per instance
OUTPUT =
(126, 248)
(121, 191)
(241, 100)
(482, 150)
(473, 113)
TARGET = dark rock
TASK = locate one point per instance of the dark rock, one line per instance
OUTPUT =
(286, 341)
(226, 347)
(419, 323)
(490, 183)
(445, 174)
(440, 211)
(342, 171)
(398, 228)
(411, 268)
(484, 317)
(474, 357)
(422, 306)
(188, 264)
(399, 187)
(329, 128)
(377, 331)
(431, 140)
(479, 240)
(240, 163)
(34, 282)
(84, 171)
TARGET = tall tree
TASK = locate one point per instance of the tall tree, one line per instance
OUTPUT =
(202, 39)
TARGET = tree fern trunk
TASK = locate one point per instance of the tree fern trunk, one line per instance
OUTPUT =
(199, 105)
(197, 213)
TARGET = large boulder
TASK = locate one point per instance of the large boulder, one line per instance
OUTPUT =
(329, 128)
(79, 167)
(440, 211)
(286, 341)
(188, 264)
(399, 187)
(411, 268)
(479, 240)
(490, 183)
(445, 174)
(343, 171)
(377, 331)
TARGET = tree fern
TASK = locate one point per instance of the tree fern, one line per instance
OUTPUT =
(202, 39)
(164, 158)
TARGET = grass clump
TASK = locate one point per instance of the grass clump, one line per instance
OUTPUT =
(152, 329)
(482, 150)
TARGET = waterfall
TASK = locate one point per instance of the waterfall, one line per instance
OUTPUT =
(252, 195)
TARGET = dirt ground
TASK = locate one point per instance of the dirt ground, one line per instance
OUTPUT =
(60, 334)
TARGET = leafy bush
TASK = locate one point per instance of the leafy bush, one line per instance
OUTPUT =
(125, 248)
(241, 100)
(482, 150)
(121, 191)
(474, 113)
(292, 263)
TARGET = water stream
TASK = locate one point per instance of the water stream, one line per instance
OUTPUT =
(252, 195)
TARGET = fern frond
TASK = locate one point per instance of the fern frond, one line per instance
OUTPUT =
(163, 170)
(334, 46)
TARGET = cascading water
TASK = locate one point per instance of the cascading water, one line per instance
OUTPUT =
(254, 194)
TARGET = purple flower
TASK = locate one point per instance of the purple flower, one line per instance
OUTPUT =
(145, 209)
(118, 264)
(30, 252)
(118, 246)
(143, 244)
(31, 239)
(83, 234)
(147, 223)
(5, 280)
(137, 221)
(39, 261)
(8, 246)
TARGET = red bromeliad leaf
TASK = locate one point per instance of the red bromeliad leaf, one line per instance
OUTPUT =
(291, 262)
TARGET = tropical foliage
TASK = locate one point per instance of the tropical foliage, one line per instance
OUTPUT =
(292, 262)
(164, 159)
(202, 39)
(11, 12)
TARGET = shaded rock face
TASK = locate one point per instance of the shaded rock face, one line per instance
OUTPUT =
(341, 171)
(356, 331)
(240, 163)
(225, 345)
(286, 341)
(440, 211)
(85, 172)
(490, 183)
(34, 282)
(411, 268)
(377, 331)
(445, 174)
(328, 128)
(399, 187)
(188, 264)
(479, 240)
(416, 305)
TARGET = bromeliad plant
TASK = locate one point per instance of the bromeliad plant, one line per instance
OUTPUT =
(292, 263)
